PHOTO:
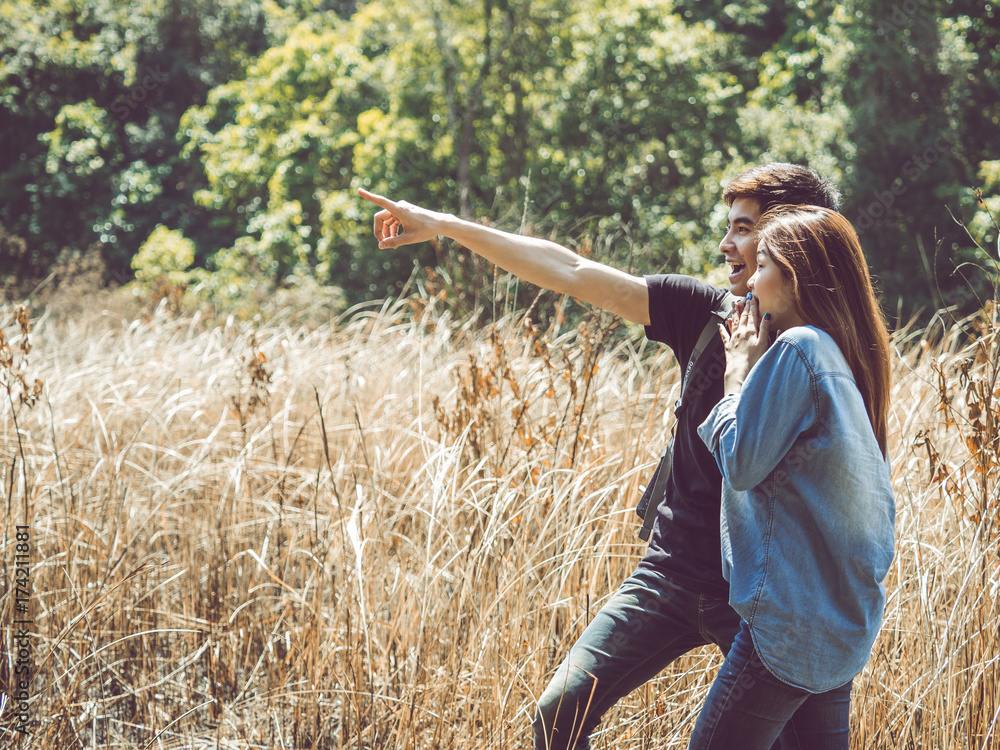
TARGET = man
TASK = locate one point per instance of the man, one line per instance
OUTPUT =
(677, 599)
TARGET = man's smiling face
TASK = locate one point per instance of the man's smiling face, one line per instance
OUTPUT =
(739, 246)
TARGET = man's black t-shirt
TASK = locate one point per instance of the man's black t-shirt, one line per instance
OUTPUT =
(685, 540)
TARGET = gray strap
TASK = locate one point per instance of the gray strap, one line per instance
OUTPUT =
(710, 331)
(656, 490)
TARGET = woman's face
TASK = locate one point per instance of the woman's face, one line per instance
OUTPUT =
(774, 291)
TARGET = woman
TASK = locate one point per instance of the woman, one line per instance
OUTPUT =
(808, 512)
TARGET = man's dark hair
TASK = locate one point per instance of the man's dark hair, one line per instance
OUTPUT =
(780, 183)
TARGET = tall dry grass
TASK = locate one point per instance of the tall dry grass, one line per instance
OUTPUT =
(387, 531)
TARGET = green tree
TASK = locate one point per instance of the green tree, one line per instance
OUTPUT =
(640, 130)
(277, 144)
(795, 110)
(92, 93)
(910, 165)
(247, 127)
(411, 98)
(619, 114)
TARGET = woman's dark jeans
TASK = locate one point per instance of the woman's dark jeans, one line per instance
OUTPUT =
(748, 707)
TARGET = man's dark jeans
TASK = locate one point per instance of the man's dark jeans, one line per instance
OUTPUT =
(649, 622)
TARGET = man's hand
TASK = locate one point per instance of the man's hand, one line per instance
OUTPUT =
(402, 223)
(746, 341)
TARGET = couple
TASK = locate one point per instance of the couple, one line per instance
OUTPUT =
(785, 441)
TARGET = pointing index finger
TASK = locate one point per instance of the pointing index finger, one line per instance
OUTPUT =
(378, 200)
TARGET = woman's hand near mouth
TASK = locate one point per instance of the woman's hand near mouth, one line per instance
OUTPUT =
(746, 340)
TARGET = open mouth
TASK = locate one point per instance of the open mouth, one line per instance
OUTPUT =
(735, 268)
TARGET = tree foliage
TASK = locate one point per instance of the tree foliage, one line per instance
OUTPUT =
(92, 92)
(247, 127)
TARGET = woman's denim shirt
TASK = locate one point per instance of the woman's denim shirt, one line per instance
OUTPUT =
(807, 511)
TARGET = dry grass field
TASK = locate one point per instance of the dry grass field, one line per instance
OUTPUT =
(385, 531)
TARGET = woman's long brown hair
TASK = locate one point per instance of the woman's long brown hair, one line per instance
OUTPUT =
(819, 251)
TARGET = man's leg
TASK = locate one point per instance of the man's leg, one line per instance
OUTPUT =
(718, 622)
(644, 626)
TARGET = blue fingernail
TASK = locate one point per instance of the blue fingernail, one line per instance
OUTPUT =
(767, 316)
(749, 295)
